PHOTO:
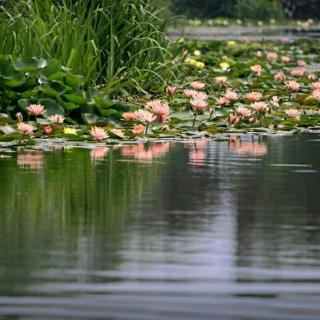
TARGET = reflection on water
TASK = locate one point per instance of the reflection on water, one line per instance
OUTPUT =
(146, 152)
(98, 153)
(215, 230)
(254, 147)
(32, 160)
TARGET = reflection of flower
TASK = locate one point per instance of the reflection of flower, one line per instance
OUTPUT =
(252, 148)
(142, 152)
(197, 157)
(98, 153)
(33, 160)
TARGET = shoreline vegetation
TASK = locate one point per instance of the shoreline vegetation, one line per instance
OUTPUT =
(92, 84)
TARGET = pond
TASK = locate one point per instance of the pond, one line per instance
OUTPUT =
(195, 230)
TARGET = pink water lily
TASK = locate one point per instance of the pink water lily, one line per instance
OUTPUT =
(159, 108)
(57, 118)
(223, 101)
(257, 69)
(128, 116)
(190, 93)
(272, 55)
(280, 76)
(231, 95)
(243, 111)
(254, 96)
(301, 63)
(117, 132)
(145, 116)
(198, 104)
(19, 116)
(293, 85)
(316, 94)
(259, 106)
(198, 85)
(293, 113)
(315, 85)
(98, 134)
(25, 128)
(285, 59)
(297, 73)
(171, 91)
(233, 119)
(138, 129)
(221, 80)
(36, 109)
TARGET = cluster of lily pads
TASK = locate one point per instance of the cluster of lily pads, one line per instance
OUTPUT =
(223, 87)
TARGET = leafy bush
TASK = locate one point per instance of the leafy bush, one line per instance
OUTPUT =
(26, 81)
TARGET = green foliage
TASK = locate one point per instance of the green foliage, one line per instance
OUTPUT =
(28, 81)
(259, 9)
(244, 9)
(117, 43)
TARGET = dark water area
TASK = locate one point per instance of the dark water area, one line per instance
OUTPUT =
(195, 230)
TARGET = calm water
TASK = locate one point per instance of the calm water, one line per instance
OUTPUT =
(200, 230)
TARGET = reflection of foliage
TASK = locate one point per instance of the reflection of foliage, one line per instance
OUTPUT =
(69, 204)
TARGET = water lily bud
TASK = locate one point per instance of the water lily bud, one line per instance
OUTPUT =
(47, 130)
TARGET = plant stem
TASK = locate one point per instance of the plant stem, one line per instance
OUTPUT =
(211, 113)
(194, 119)
(21, 138)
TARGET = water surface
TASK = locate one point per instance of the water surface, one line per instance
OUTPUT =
(195, 230)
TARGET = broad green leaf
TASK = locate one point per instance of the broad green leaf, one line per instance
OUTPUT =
(74, 98)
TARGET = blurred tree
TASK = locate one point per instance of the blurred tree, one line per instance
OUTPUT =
(302, 9)
(251, 9)
(203, 8)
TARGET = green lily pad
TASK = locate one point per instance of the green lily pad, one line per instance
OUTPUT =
(27, 64)
(51, 107)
